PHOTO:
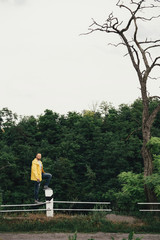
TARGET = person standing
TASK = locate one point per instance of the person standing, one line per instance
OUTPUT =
(38, 174)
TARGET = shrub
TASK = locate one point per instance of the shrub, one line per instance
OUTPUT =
(131, 192)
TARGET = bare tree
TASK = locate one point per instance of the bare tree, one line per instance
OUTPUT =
(144, 59)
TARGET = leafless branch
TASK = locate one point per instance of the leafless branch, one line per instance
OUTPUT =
(155, 63)
(91, 30)
(149, 6)
(109, 26)
(154, 97)
(133, 2)
(123, 6)
(119, 24)
(154, 78)
(148, 42)
(148, 19)
(112, 25)
(153, 46)
(95, 23)
(149, 54)
(116, 45)
(137, 56)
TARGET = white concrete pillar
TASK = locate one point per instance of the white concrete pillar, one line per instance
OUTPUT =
(49, 202)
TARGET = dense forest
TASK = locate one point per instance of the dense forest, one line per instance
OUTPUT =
(92, 156)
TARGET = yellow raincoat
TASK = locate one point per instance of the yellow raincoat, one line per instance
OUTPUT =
(36, 172)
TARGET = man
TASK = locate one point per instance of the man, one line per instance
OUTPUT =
(37, 174)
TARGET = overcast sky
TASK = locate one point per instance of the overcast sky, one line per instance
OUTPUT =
(46, 64)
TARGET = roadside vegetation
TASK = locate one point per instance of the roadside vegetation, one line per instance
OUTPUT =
(90, 223)
(92, 156)
(130, 237)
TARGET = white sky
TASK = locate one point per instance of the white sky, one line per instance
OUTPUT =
(46, 64)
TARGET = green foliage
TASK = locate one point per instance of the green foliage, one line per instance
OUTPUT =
(153, 181)
(74, 237)
(131, 191)
(84, 152)
(131, 235)
(7, 118)
(154, 145)
(71, 224)
(64, 179)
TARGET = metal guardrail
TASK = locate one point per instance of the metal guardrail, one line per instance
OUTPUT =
(83, 210)
(102, 203)
(48, 203)
(24, 205)
(55, 209)
(149, 210)
(23, 210)
(70, 209)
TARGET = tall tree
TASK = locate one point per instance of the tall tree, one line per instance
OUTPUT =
(144, 59)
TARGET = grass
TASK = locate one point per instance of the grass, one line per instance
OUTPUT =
(73, 223)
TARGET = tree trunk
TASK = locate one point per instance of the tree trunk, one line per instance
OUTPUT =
(146, 132)
(147, 159)
(148, 169)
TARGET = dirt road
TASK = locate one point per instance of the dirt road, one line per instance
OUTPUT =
(80, 236)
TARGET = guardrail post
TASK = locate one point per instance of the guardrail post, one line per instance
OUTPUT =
(49, 202)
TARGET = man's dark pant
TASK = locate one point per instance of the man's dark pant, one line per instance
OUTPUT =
(46, 176)
(36, 189)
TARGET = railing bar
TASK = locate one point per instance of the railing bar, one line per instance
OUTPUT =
(81, 202)
(33, 210)
(35, 204)
(24, 205)
(149, 203)
(149, 210)
(24, 210)
(92, 210)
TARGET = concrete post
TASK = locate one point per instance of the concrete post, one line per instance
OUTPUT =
(49, 202)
